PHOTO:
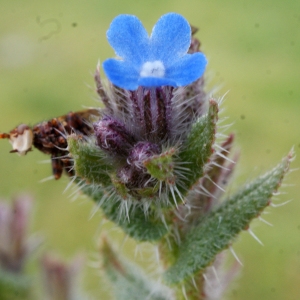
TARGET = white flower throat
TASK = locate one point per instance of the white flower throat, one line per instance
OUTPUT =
(153, 69)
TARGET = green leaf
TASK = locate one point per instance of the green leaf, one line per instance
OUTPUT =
(128, 281)
(90, 162)
(212, 184)
(134, 221)
(217, 231)
(198, 146)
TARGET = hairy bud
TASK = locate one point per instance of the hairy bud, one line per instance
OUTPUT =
(113, 137)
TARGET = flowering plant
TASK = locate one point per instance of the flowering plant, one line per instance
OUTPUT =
(154, 160)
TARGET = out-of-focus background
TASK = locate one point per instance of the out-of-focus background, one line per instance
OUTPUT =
(48, 53)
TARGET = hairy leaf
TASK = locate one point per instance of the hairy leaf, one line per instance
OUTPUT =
(128, 281)
(217, 231)
(198, 147)
(89, 160)
(134, 222)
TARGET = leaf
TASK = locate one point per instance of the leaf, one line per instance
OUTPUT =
(90, 162)
(128, 281)
(207, 192)
(217, 231)
(198, 147)
(135, 223)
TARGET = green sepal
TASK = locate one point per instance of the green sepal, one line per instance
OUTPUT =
(90, 161)
(128, 281)
(218, 229)
(161, 166)
(198, 146)
(119, 186)
(147, 192)
(134, 222)
(125, 193)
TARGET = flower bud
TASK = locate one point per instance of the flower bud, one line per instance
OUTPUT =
(113, 137)
(134, 175)
(142, 151)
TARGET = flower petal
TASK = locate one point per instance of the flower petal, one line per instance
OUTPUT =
(170, 38)
(156, 81)
(129, 38)
(187, 69)
(121, 73)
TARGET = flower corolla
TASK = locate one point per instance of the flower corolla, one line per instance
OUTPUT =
(158, 60)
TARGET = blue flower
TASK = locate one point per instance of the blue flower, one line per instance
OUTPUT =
(158, 60)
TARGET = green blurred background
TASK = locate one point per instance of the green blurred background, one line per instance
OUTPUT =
(48, 53)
